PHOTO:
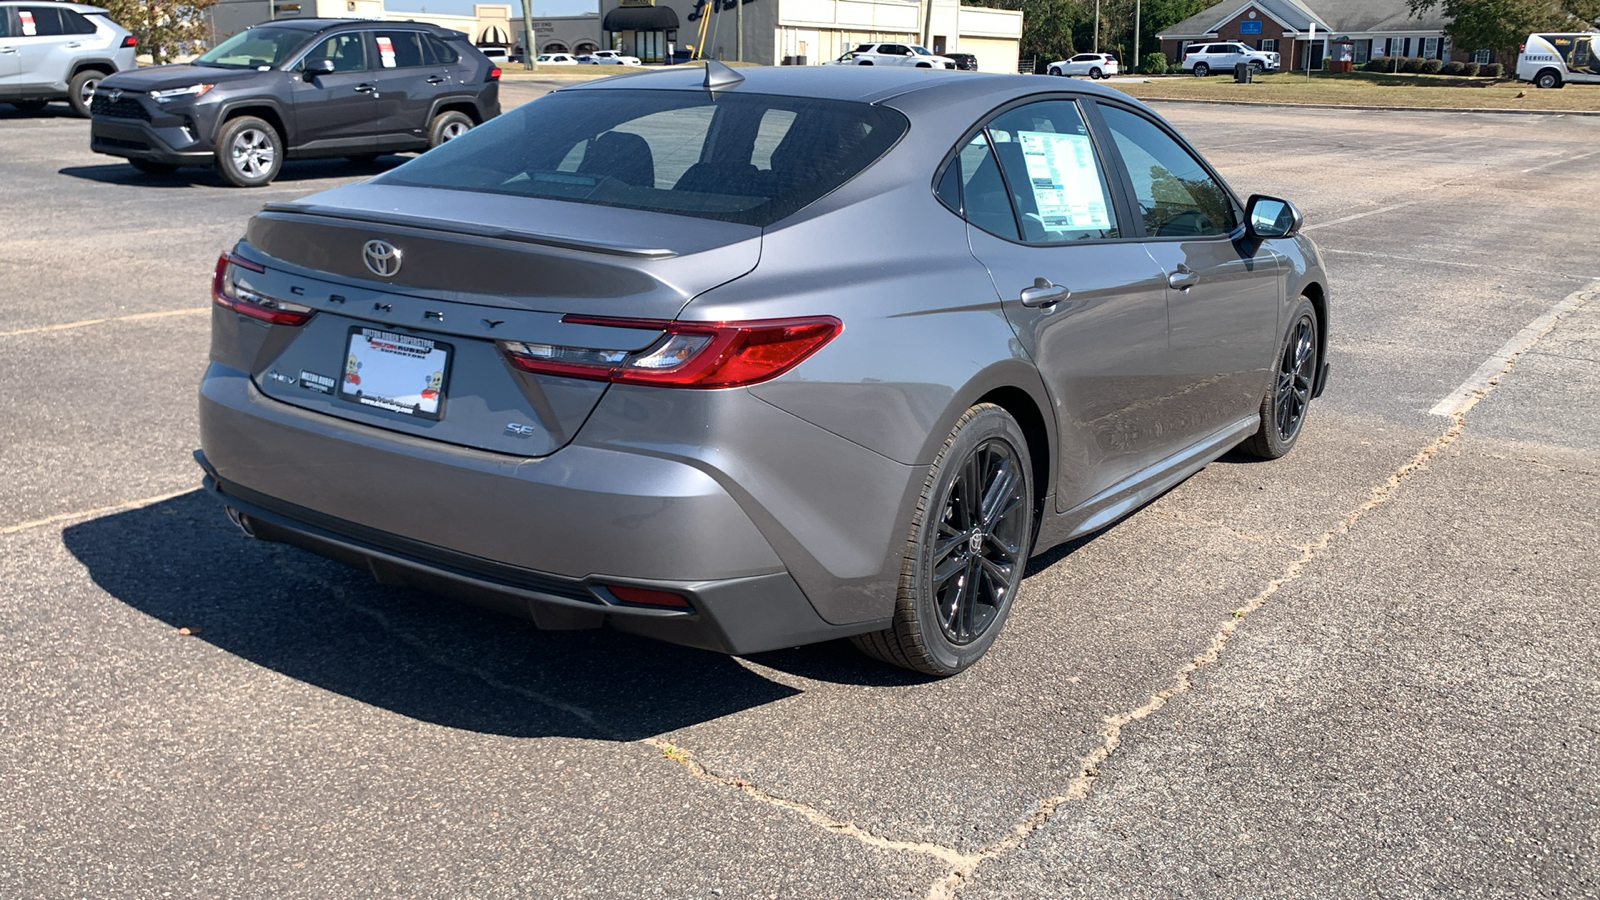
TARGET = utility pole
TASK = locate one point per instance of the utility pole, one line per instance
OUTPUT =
(738, 25)
(927, 23)
(1096, 26)
(527, 35)
(1136, 56)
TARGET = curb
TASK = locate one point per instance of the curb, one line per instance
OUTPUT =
(1437, 109)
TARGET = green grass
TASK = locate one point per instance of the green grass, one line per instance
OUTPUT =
(1370, 89)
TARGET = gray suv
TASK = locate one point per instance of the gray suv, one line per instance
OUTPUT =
(58, 51)
(302, 88)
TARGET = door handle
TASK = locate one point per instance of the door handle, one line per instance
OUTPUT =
(434, 79)
(1184, 278)
(75, 44)
(8, 49)
(366, 89)
(1043, 293)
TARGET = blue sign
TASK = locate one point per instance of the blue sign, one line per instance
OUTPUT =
(1251, 26)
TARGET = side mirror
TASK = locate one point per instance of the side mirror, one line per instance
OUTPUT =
(318, 66)
(1269, 217)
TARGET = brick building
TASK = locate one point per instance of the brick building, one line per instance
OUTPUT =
(1362, 29)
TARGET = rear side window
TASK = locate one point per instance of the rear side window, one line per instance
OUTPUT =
(747, 158)
(73, 23)
(400, 49)
(442, 54)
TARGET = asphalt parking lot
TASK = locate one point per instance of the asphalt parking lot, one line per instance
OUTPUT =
(1369, 669)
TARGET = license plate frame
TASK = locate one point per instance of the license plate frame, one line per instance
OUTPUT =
(394, 363)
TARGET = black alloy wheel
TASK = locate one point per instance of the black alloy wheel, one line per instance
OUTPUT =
(969, 544)
(1201, 70)
(1283, 410)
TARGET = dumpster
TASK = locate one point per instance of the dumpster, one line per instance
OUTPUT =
(1242, 73)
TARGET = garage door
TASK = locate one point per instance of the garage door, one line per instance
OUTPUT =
(993, 55)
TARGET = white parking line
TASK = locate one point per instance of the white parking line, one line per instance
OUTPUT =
(1463, 397)
(93, 513)
(135, 317)
(1362, 215)
(1456, 262)
(1558, 162)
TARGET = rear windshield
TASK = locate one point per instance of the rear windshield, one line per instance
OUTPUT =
(747, 158)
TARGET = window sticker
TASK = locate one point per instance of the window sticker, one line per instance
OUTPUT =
(1066, 181)
(29, 28)
(386, 52)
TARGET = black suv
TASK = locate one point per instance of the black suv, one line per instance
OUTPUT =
(966, 62)
(301, 88)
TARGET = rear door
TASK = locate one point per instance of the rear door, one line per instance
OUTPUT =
(409, 79)
(337, 111)
(10, 53)
(1087, 302)
(1224, 290)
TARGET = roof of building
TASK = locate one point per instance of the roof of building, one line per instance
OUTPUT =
(1333, 16)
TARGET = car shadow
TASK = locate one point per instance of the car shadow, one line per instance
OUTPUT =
(53, 111)
(182, 563)
(293, 171)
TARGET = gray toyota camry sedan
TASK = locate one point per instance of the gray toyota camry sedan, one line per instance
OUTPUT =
(750, 362)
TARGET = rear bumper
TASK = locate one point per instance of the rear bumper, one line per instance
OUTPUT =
(536, 537)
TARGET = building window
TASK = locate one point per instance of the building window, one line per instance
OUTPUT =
(1483, 57)
(1430, 48)
(1363, 51)
(1270, 45)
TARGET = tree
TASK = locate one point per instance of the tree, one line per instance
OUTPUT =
(1498, 25)
(165, 28)
(1046, 24)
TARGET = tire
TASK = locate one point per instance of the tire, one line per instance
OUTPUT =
(1288, 398)
(1096, 74)
(1549, 78)
(1057, 72)
(944, 624)
(924, 66)
(1258, 68)
(80, 90)
(249, 152)
(1201, 70)
(865, 62)
(30, 107)
(447, 126)
(151, 167)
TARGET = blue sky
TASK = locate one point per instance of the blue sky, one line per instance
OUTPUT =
(464, 7)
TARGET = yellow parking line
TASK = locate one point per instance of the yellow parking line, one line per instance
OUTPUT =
(66, 326)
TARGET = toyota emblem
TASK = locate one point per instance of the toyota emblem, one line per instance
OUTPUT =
(382, 257)
(116, 95)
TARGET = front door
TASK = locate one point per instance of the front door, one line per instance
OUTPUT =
(337, 111)
(1224, 292)
(1088, 304)
(10, 49)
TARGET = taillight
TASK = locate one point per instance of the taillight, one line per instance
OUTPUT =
(494, 74)
(227, 293)
(130, 41)
(687, 355)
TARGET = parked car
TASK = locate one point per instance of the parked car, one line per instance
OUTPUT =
(1094, 65)
(1203, 59)
(496, 55)
(731, 410)
(608, 58)
(59, 51)
(298, 88)
(966, 62)
(556, 59)
(1552, 60)
(895, 55)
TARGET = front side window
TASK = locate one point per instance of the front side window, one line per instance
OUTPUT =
(747, 158)
(1177, 197)
(348, 52)
(45, 21)
(1054, 177)
(254, 48)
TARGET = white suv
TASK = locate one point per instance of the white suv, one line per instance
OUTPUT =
(1203, 59)
(1094, 65)
(58, 51)
(894, 55)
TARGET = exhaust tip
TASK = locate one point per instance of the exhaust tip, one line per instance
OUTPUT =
(241, 520)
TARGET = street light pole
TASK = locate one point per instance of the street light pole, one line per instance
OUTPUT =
(1097, 26)
(527, 35)
(1136, 57)
(738, 25)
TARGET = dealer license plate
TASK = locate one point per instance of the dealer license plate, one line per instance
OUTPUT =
(396, 372)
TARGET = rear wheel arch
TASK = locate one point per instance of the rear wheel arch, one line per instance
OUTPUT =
(103, 66)
(466, 108)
